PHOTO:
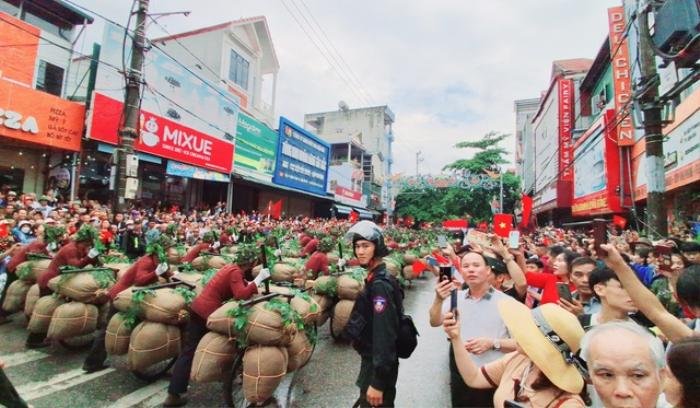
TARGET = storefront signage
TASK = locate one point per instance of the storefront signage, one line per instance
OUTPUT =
(37, 117)
(162, 137)
(621, 74)
(302, 159)
(682, 161)
(256, 147)
(566, 114)
(597, 181)
(346, 195)
(19, 43)
(173, 92)
(185, 170)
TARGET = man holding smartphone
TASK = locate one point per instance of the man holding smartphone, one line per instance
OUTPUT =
(486, 334)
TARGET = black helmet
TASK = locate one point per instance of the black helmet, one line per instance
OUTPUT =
(369, 231)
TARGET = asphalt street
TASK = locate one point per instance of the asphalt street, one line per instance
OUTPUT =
(52, 377)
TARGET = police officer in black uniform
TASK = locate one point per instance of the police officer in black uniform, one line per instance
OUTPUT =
(374, 321)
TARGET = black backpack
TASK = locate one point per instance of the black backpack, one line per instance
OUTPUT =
(407, 335)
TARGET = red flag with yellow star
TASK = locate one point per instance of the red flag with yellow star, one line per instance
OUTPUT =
(502, 224)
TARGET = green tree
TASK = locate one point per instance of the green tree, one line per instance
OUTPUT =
(455, 202)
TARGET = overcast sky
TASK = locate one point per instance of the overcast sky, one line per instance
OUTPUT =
(449, 70)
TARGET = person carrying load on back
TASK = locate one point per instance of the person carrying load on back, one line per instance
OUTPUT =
(228, 283)
(209, 243)
(145, 271)
(78, 253)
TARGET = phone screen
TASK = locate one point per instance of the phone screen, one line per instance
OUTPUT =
(442, 241)
(600, 235)
(564, 292)
(445, 273)
(514, 239)
(431, 261)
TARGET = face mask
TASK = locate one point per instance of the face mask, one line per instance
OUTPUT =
(26, 230)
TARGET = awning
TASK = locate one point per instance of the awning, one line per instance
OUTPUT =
(364, 214)
(109, 149)
(342, 209)
(185, 170)
(277, 186)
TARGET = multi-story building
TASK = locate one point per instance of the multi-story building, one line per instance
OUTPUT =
(209, 84)
(525, 109)
(553, 127)
(40, 128)
(371, 128)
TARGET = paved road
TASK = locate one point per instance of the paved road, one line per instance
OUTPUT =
(329, 378)
(52, 377)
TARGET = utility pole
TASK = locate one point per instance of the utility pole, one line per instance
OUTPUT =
(419, 158)
(129, 130)
(648, 99)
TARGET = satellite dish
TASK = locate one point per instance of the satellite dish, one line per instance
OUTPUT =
(343, 106)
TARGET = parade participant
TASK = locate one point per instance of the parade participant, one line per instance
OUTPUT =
(207, 244)
(318, 262)
(77, 253)
(143, 272)
(486, 334)
(584, 301)
(626, 364)
(228, 283)
(375, 338)
(310, 247)
(543, 370)
(6, 278)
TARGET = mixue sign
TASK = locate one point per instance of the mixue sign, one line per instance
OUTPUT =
(162, 137)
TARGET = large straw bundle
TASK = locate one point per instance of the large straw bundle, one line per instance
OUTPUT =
(152, 343)
(214, 355)
(15, 296)
(42, 313)
(72, 319)
(263, 370)
(117, 336)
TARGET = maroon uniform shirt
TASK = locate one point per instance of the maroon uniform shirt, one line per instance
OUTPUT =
(229, 282)
(141, 273)
(69, 255)
(21, 255)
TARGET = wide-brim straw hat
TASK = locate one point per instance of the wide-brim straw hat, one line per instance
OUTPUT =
(561, 327)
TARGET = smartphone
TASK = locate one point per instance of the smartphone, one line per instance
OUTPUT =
(600, 235)
(663, 252)
(564, 291)
(513, 404)
(442, 241)
(514, 239)
(431, 260)
(453, 302)
(445, 272)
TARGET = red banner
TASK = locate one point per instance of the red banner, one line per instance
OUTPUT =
(455, 224)
(349, 194)
(566, 118)
(162, 137)
(620, 63)
(606, 200)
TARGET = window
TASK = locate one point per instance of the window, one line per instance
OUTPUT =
(49, 78)
(238, 70)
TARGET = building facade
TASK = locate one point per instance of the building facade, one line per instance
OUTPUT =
(525, 109)
(553, 128)
(371, 128)
(41, 128)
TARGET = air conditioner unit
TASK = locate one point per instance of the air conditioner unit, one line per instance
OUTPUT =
(676, 25)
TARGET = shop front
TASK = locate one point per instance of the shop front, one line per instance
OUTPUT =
(182, 166)
(681, 163)
(599, 179)
(40, 135)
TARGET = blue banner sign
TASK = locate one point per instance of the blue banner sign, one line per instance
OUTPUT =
(302, 159)
(185, 170)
